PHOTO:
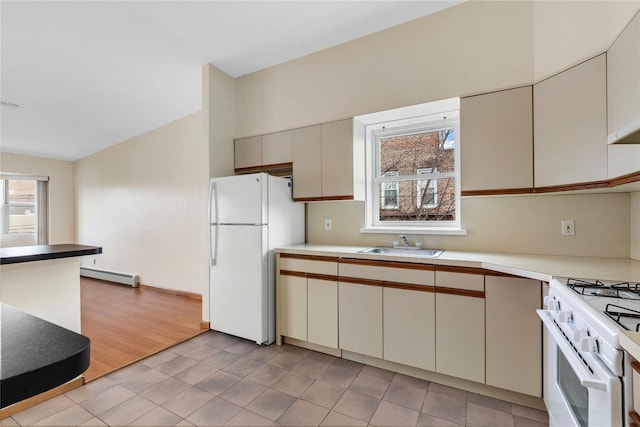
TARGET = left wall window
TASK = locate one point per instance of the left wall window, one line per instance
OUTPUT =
(23, 210)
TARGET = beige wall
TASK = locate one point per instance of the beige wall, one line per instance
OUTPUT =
(60, 173)
(635, 225)
(143, 202)
(518, 224)
(472, 48)
(218, 128)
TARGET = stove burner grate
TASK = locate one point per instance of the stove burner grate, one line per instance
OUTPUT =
(597, 288)
(616, 313)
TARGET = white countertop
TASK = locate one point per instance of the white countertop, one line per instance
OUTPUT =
(539, 267)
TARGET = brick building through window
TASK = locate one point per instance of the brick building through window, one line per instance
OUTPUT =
(416, 159)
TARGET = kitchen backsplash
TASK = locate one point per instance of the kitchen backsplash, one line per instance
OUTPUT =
(517, 224)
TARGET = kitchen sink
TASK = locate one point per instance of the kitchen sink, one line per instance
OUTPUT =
(409, 251)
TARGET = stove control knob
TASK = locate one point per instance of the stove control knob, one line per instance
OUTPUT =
(579, 334)
(564, 316)
(590, 345)
(552, 305)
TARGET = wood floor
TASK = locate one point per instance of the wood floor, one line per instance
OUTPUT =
(126, 324)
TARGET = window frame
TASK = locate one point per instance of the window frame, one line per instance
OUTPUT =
(430, 181)
(439, 115)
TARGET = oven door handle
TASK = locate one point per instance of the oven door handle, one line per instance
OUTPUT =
(581, 372)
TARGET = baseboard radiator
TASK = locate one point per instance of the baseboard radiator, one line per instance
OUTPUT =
(111, 276)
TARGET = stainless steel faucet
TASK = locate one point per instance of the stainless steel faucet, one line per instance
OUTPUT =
(404, 239)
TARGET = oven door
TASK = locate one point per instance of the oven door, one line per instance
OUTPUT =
(580, 390)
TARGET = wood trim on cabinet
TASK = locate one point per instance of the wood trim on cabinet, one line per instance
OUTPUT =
(390, 264)
(635, 417)
(265, 168)
(456, 269)
(322, 199)
(625, 179)
(359, 281)
(589, 185)
(636, 366)
(460, 292)
(325, 277)
(205, 326)
(309, 257)
(497, 192)
(409, 286)
(293, 273)
(592, 185)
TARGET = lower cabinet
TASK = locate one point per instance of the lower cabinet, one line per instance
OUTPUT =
(514, 334)
(360, 314)
(410, 326)
(293, 306)
(322, 312)
(308, 299)
(460, 333)
(464, 322)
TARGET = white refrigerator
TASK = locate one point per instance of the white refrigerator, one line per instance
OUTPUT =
(249, 216)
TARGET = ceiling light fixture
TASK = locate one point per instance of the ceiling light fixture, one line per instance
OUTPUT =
(9, 105)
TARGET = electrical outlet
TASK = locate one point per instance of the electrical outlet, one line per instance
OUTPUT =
(568, 227)
(328, 225)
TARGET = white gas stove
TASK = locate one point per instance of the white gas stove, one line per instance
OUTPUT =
(587, 378)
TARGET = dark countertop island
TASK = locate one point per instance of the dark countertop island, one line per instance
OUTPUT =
(45, 252)
(36, 356)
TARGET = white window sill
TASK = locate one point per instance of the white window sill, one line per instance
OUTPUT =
(452, 231)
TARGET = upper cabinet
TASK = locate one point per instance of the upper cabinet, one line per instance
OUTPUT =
(623, 86)
(497, 149)
(323, 162)
(248, 152)
(307, 158)
(570, 126)
(264, 153)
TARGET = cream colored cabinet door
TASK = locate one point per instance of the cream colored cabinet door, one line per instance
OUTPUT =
(277, 148)
(248, 152)
(337, 159)
(409, 327)
(460, 332)
(322, 312)
(307, 163)
(570, 126)
(497, 152)
(360, 318)
(293, 306)
(623, 99)
(514, 334)
(623, 81)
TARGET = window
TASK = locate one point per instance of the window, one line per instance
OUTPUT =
(413, 169)
(23, 210)
(389, 192)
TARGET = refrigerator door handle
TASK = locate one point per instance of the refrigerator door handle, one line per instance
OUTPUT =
(213, 244)
(213, 203)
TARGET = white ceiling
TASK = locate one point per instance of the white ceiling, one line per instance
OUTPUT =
(90, 74)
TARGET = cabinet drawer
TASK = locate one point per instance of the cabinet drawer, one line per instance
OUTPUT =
(465, 281)
(419, 274)
(309, 264)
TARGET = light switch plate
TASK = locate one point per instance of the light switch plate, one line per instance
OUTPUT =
(328, 225)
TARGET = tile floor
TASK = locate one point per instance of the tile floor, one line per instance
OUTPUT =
(215, 379)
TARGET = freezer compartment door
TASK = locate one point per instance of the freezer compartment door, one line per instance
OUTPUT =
(240, 199)
(239, 293)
